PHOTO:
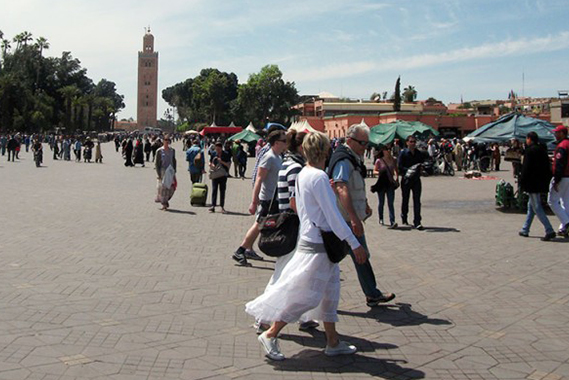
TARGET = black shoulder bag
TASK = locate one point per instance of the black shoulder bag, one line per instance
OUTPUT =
(278, 232)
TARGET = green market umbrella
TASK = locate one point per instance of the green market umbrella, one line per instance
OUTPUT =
(246, 136)
(383, 134)
(513, 126)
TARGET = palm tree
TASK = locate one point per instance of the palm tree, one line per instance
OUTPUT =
(41, 44)
(5, 47)
(68, 93)
(26, 37)
(409, 94)
(18, 39)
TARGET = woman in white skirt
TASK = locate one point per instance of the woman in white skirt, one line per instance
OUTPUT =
(310, 282)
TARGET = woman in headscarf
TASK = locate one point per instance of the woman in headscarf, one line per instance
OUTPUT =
(165, 158)
(128, 148)
(139, 152)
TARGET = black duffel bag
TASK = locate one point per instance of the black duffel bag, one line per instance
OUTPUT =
(279, 233)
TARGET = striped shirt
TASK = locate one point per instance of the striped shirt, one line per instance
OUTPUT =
(287, 182)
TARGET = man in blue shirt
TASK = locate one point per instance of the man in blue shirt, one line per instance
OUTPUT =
(196, 165)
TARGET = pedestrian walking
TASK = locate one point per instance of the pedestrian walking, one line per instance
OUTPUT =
(310, 282)
(220, 160)
(534, 179)
(165, 164)
(559, 187)
(128, 150)
(264, 191)
(196, 162)
(407, 158)
(12, 145)
(387, 182)
(347, 171)
(98, 154)
(138, 154)
(242, 161)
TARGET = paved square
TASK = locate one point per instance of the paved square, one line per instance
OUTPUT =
(97, 283)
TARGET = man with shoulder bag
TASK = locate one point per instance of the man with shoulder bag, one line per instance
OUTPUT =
(347, 171)
(263, 193)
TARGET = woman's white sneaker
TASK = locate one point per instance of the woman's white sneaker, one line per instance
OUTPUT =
(343, 348)
(271, 346)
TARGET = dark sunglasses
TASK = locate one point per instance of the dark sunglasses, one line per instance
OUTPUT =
(362, 143)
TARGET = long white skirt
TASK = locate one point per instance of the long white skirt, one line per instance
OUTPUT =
(309, 284)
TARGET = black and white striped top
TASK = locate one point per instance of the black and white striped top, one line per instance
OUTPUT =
(292, 165)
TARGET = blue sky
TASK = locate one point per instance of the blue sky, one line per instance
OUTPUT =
(478, 49)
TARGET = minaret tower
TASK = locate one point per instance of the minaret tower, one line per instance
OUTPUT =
(146, 110)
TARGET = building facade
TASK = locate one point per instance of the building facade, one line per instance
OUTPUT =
(147, 101)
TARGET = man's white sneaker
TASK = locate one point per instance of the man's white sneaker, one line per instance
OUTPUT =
(271, 346)
(343, 348)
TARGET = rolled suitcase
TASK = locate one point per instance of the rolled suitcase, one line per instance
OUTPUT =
(198, 196)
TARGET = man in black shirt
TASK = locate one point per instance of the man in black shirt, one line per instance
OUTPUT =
(407, 158)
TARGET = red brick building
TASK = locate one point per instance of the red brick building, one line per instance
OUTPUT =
(334, 116)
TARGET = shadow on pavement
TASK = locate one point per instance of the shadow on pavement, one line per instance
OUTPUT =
(173, 211)
(441, 229)
(427, 229)
(399, 314)
(317, 339)
(237, 213)
(310, 360)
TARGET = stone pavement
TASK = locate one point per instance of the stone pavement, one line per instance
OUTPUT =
(97, 283)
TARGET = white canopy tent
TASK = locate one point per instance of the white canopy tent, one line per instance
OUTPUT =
(251, 128)
(302, 126)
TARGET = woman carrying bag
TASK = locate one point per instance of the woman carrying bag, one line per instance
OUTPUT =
(310, 283)
(166, 171)
(387, 182)
(219, 165)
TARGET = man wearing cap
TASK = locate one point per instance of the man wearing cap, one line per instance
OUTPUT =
(559, 188)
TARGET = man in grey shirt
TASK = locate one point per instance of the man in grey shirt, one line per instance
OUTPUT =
(263, 193)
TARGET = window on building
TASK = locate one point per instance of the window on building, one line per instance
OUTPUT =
(564, 110)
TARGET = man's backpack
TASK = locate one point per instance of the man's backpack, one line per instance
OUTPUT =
(198, 160)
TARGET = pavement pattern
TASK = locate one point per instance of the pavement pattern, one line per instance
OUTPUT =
(97, 283)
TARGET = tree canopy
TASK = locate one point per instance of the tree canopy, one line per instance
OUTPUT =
(215, 96)
(38, 94)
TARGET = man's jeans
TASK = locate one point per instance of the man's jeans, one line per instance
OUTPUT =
(534, 208)
(390, 193)
(405, 192)
(365, 272)
(559, 200)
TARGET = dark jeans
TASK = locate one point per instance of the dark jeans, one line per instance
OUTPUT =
(242, 169)
(195, 177)
(390, 193)
(147, 156)
(405, 192)
(222, 184)
(366, 276)
(13, 152)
